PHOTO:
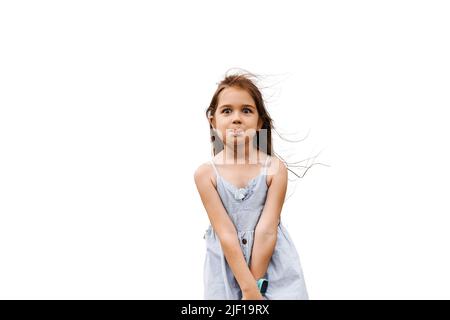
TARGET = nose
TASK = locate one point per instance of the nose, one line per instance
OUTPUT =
(236, 118)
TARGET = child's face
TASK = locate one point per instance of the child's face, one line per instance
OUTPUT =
(236, 119)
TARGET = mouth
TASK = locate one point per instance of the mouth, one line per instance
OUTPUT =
(236, 132)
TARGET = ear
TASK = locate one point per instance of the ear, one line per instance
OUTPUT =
(212, 121)
(260, 123)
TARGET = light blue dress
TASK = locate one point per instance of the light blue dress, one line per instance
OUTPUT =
(244, 206)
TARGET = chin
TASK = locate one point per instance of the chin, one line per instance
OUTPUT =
(232, 141)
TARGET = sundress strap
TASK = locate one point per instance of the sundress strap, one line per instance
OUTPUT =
(265, 164)
(215, 169)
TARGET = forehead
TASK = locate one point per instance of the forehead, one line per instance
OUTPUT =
(235, 96)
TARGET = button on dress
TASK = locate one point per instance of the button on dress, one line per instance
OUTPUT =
(244, 206)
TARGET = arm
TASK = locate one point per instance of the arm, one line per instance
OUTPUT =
(225, 229)
(266, 229)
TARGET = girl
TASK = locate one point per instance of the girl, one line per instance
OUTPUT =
(243, 189)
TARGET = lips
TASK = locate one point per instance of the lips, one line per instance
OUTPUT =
(237, 132)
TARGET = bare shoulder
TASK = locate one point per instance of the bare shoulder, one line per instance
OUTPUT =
(277, 171)
(204, 174)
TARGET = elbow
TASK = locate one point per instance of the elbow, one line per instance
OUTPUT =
(227, 237)
(266, 232)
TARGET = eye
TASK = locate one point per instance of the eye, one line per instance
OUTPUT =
(245, 109)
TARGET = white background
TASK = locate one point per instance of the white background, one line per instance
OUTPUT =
(102, 126)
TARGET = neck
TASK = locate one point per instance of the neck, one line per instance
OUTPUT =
(240, 154)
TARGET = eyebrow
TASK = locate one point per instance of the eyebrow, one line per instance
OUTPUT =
(229, 105)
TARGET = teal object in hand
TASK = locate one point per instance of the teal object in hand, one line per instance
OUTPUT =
(262, 285)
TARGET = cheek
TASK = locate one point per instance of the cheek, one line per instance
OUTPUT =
(220, 132)
(254, 121)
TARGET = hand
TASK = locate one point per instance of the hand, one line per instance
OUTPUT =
(252, 295)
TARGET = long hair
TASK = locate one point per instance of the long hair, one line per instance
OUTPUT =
(263, 142)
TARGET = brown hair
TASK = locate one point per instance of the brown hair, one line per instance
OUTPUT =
(243, 81)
